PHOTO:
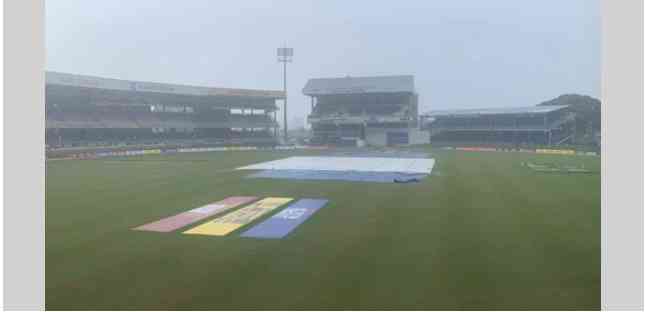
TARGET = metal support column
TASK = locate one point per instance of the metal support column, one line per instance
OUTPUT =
(285, 55)
(549, 139)
(285, 101)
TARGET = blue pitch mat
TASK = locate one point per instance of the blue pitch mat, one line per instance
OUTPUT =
(281, 224)
(354, 176)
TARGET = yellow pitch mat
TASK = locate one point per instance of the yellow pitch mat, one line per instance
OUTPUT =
(236, 219)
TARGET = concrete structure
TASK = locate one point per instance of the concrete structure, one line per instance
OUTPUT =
(533, 125)
(87, 110)
(380, 110)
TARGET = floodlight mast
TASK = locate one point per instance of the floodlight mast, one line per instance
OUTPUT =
(285, 55)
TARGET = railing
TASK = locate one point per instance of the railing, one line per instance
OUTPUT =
(157, 123)
(435, 129)
(358, 119)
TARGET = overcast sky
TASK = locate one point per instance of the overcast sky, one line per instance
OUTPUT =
(463, 53)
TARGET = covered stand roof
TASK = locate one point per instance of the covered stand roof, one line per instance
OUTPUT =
(84, 81)
(358, 85)
(526, 110)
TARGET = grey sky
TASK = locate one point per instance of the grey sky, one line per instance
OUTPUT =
(463, 54)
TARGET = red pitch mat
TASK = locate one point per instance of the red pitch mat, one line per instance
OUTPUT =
(178, 221)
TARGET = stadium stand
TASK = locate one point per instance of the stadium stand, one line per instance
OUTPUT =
(513, 127)
(86, 111)
(377, 111)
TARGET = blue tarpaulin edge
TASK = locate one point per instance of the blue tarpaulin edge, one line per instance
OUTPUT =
(354, 176)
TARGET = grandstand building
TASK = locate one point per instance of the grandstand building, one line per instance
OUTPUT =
(518, 126)
(364, 110)
(92, 111)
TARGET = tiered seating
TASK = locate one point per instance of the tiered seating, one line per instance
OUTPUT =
(148, 120)
(115, 120)
(530, 122)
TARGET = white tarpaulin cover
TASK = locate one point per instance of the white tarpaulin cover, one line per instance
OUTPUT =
(362, 164)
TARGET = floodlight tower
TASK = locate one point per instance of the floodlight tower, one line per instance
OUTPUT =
(285, 55)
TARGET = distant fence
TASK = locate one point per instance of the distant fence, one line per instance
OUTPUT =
(555, 151)
(476, 149)
(523, 150)
(162, 151)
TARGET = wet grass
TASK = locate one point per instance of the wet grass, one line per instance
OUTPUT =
(483, 233)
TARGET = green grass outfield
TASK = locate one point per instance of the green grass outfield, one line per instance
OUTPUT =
(482, 233)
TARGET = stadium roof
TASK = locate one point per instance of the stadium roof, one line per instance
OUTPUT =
(496, 111)
(57, 78)
(356, 85)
